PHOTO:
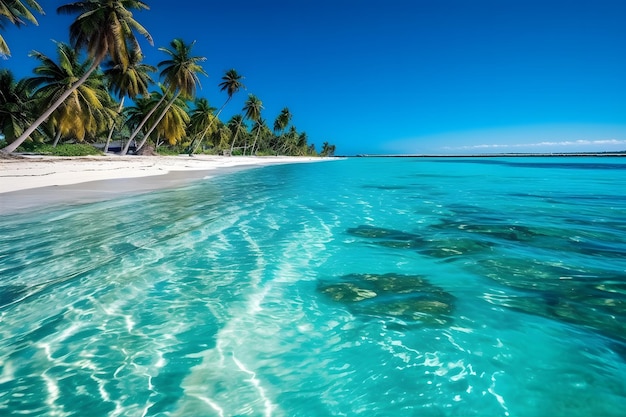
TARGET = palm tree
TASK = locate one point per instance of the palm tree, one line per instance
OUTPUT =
(172, 125)
(104, 28)
(260, 127)
(16, 105)
(221, 136)
(235, 124)
(180, 77)
(252, 110)
(84, 111)
(201, 120)
(136, 113)
(327, 149)
(128, 81)
(301, 144)
(282, 120)
(231, 83)
(15, 12)
(280, 124)
(290, 141)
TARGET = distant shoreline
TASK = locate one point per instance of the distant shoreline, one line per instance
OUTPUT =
(498, 155)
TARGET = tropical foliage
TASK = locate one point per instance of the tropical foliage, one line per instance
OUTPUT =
(16, 13)
(80, 94)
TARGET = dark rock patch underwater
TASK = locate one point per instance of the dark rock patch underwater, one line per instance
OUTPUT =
(408, 298)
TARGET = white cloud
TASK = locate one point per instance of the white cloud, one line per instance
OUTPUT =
(580, 142)
(533, 138)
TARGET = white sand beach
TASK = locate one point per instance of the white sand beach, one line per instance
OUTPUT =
(36, 180)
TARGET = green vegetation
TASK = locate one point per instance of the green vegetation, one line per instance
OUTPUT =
(66, 149)
(80, 95)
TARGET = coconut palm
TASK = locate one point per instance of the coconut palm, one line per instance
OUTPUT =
(103, 28)
(85, 110)
(221, 136)
(290, 142)
(129, 81)
(327, 149)
(180, 77)
(202, 120)
(16, 13)
(301, 144)
(173, 126)
(231, 83)
(16, 105)
(282, 120)
(259, 128)
(252, 109)
(137, 112)
(234, 124)
(280, 124)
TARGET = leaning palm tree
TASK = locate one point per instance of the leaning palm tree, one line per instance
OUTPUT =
(180, 77)
(172, 124)
(252, 110)
(103, 28)
(17, 13)
(231, 83)
(85, 110)
(129, 81)
(173, 127)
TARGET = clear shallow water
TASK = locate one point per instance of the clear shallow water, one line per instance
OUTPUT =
(413, 287)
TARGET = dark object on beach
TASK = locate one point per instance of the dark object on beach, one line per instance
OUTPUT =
(408, 298)
(146, 150)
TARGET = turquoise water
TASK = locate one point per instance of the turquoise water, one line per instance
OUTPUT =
(375, 287)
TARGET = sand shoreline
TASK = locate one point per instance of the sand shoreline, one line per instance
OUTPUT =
(36, 181)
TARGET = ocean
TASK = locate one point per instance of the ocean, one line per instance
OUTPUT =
(364, 286)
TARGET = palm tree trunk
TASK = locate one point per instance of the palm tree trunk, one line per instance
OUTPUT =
(119, 110)
(161, 116)
(17, 142)
(255, 139)
(194, 145)
(232, 145)
(138, 129)
(57, 137)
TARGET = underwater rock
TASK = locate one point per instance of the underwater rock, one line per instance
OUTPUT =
(347, 292)
(410, 298)
(513, 232)
(591, 298)
(400, 244)
(374, 232)
(388, 238)
(451, 247)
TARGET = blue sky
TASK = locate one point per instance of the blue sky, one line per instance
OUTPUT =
(403, 76)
